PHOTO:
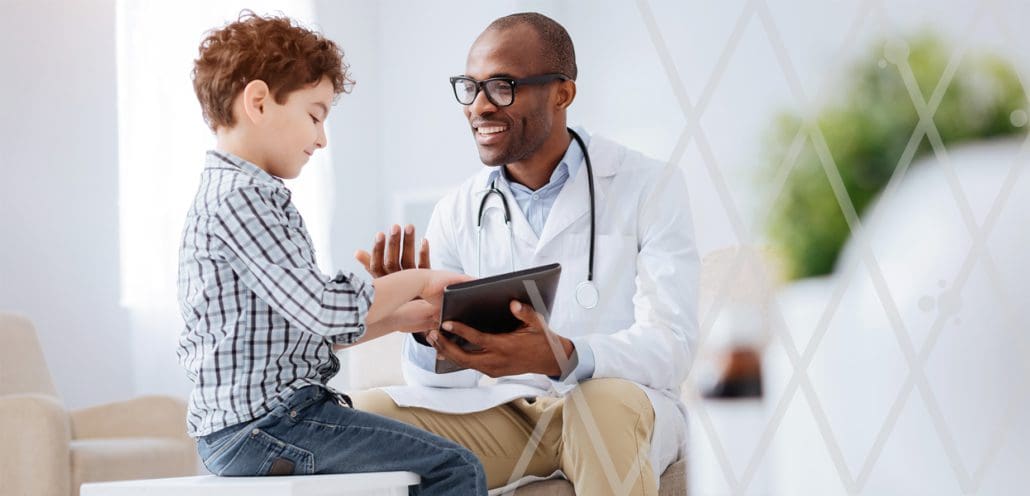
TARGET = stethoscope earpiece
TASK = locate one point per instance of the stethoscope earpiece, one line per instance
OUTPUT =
(587, 294)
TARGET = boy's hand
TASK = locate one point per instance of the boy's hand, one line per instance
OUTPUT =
(414, 316)
(438, 281)
(393, 254)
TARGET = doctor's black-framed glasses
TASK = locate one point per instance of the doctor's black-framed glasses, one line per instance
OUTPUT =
(499, 90)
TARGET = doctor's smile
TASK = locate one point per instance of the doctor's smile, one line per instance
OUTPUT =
(489, 134)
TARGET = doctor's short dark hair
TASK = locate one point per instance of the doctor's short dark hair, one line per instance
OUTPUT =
(273, 49)
(559, 54)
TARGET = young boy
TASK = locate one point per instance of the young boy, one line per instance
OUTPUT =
(261, 320)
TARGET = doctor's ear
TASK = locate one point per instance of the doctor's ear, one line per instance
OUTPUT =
(566, 94)
(255, 97)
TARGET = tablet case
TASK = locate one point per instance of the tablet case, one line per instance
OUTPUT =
(484, 304)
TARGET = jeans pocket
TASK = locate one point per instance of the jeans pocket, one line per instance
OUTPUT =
(213, 446)
(259, 453)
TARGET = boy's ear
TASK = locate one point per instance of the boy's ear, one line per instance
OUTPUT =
(255, 97)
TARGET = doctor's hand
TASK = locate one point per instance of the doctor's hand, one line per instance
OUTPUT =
(394, 254)
(533, 348)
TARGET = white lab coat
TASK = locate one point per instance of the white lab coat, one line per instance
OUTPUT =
(646, 269)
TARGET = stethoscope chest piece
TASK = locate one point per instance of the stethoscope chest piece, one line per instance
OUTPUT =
(587, 295)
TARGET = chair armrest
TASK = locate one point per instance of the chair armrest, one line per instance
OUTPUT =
(146, 416)
(35, 435)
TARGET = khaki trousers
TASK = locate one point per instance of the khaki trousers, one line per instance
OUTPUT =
(599, 435)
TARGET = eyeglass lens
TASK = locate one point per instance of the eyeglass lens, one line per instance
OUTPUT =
(499, 91)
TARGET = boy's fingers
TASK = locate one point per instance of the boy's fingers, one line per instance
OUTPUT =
(408, 253)
(423, 255)
(393, 250)
(416, 316)
(375, 265)
(451, 351)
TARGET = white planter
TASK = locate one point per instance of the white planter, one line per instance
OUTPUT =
(976, 396)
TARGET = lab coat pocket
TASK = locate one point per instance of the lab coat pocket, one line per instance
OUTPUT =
(615, 268)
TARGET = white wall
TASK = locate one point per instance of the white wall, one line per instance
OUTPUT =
(58, 210)
(410, 136)
(353, 128)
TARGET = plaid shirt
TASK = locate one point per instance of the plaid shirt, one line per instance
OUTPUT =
(261, 318)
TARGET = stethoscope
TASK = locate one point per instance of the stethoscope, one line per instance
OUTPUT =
(586, 291)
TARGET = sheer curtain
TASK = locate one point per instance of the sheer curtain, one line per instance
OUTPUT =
(162, 140)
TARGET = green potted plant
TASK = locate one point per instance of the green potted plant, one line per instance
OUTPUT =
(867, 130)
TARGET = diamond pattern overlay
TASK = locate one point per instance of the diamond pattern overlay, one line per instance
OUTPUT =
(871, 11)
(868, 12)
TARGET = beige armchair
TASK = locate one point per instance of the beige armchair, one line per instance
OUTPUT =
(50, 451)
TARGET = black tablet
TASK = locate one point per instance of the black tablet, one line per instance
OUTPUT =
(484, 304)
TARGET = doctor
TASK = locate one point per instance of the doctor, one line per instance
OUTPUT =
(594, 395)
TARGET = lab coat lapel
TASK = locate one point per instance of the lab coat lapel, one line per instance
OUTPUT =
(573, 202)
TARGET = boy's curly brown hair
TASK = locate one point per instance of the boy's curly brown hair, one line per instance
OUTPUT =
(273, 49)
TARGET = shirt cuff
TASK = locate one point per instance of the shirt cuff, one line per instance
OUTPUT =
(583, 362)
(364, 295)
(423, 357)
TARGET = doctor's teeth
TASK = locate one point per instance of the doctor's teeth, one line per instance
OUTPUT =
(490, 130)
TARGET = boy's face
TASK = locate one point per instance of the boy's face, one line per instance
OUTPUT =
(293, 131)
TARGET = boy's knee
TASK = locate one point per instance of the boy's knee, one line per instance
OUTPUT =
(473, 471)
(472, 461)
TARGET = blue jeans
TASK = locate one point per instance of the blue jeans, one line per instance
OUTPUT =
(311, 433)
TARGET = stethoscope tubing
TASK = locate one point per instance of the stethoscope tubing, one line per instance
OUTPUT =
(587, 285)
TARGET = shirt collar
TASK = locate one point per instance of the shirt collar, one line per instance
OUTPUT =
(220, 158)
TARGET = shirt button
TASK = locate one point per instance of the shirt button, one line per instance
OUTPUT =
(536, 196)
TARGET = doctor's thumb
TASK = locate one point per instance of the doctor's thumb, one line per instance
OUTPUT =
(523, 311)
